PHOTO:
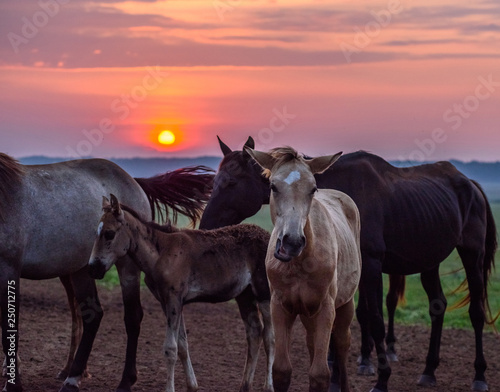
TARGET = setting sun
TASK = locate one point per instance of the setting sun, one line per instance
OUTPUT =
(166, 137)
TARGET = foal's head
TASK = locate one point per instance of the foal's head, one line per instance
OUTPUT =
(112, 241)
(292, 189)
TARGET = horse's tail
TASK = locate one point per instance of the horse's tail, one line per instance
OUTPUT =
(490, 248)
(183, 191)
(397, 285)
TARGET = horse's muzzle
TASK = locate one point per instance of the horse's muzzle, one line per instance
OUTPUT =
(288, 248)
(97, 269)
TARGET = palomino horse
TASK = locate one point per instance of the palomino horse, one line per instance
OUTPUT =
(48, 215)
(411, 219)
(313, 265)
(184, 266)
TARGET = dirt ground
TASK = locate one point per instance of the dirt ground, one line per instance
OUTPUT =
(217, 345)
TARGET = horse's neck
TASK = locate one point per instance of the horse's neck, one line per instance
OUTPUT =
(143, 240)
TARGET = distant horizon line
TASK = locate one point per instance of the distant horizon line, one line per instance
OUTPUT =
(220, 158)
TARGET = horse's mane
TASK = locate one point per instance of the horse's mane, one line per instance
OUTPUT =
(281, 156)
(11, 173)
(166, 228)
(285, 154)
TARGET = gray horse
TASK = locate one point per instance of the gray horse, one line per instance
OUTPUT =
(48, 215)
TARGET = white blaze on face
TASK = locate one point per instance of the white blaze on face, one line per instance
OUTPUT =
(292, 177)
(99, 228)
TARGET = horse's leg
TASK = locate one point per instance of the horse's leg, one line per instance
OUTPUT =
(472, 260)
(76, 328)
(253, 328)
(370, 294)
(192, 384)
(129, 275)
(9, 304)
(365, 366)
(282, 367)
(437, 306)
(268, 334)
(341, 341)
(173, 311)
(318, 330)
(391, 302)
(86, 295)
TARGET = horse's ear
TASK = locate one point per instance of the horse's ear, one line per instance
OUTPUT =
(250, 143)
(115, 205)
(265, 160)
(225, 149)
(105, 203)
(320, 164)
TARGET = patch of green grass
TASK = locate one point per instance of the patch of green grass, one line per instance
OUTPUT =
(110, 280)
(262, 219)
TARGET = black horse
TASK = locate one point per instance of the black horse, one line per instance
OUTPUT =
(411, 220)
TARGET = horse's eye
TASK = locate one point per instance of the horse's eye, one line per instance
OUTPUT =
(314, 190)
(109, 235)
(274, 189)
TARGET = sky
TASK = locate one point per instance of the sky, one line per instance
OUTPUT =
(402, 79)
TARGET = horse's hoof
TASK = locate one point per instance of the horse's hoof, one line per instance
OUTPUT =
(69, 388)
(392, 357)
(479, 386)
(426, 381)
(366, 370)
(123, 390)
(376, 390)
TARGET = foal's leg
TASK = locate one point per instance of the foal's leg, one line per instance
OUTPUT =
(192, 384)
(172, 308)
(91, 311)
(319, 329)
(437, 306)
(129, 275)
(253, 328)
(268, 334)
(282, 367)
(76, 328)
(341, 341)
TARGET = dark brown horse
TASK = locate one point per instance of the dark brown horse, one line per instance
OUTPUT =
(48, 215)
(411, 220)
